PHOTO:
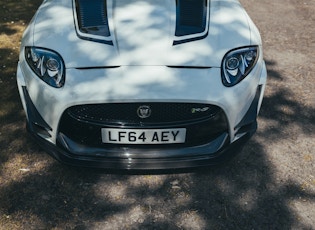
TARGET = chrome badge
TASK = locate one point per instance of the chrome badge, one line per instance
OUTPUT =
(144, 111)
(199, 110)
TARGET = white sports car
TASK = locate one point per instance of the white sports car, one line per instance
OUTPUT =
(141, 84)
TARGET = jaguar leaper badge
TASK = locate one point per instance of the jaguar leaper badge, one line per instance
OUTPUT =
(144, 111)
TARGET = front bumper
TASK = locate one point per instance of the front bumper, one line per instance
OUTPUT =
(70, 152)
(43, 118)
(187, 160)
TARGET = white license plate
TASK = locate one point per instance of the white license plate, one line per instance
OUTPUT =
(143, 136)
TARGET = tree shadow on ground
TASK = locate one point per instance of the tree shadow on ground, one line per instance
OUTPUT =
(14, 15)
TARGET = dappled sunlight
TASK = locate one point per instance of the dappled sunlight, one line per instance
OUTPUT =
(118, 85)
(270, 184)
(190, 219)
(248, 200)
(6, 39)
(56, 13)
(130, 218)
(142, 38)
(148, 181)
(115, 193)
(146, 37)
(147, 212)
(17, 168)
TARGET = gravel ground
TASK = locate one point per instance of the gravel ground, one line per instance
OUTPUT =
(270, 185)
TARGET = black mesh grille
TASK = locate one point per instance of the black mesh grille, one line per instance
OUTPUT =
(201, 129)
(190, 17)
(127, 112)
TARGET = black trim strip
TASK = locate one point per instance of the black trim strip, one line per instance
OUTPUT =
(96, 40)
(251, 114)
(36, 124)
(190, 39)
(97, 67)
(189, 67)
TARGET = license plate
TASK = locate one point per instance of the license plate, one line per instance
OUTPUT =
(143, 136)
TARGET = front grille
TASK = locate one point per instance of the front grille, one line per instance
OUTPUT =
(83, 123)
(117, 113)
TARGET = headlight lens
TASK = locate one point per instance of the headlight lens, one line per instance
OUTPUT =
(237, 64)
(47, 64)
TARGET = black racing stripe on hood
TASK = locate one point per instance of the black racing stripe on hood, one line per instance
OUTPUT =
(92, 17)
(191, 16)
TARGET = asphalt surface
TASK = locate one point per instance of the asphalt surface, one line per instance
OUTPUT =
(269, 185)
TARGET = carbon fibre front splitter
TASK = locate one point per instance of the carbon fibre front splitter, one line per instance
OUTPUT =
(119, 163)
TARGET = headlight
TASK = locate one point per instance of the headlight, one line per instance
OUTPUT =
(237, 64)
(48, 65)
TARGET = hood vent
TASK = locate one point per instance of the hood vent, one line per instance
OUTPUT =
(92, 20)
(191, 19)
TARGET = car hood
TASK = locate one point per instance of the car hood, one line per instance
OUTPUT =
(141, 33)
